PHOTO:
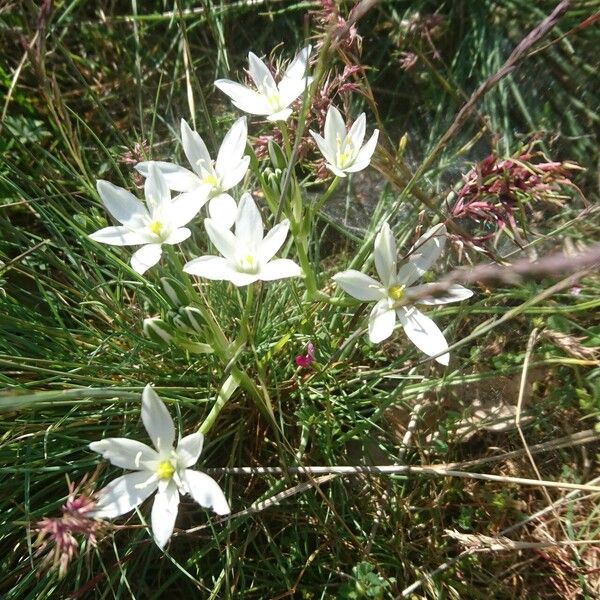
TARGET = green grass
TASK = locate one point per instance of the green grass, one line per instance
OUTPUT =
(74, 359)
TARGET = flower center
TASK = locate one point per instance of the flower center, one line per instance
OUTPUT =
(249, 264)
(211, 180)
(156, 227)
(345, 152)
(165, 469)
(273, 100)
(396, 292)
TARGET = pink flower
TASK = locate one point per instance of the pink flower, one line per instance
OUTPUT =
(304, 361)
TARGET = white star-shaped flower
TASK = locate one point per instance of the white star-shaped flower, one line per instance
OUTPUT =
(247, 253)
(159, 221)
(269, 99)
(343, 150)
(210, 180)
(395, 286)
(164, 469)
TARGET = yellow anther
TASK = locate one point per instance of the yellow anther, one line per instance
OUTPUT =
(396, 292)
(248, 264)
(165, 470)
(211, 180)
(155, 227)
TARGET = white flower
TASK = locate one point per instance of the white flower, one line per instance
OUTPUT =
(248, 253)
(343, 150)
(209, 179)
(395, 286)
(163, 469)
(159, 221)
(269, 99)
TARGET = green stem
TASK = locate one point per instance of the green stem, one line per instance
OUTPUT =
(321, 201)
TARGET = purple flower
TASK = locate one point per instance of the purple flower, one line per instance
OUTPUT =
(304, 361)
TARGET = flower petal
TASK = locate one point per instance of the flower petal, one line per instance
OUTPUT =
(178, 235)
(178, 178)
(455, 293)
(282, 115)
(156, 190)
(189, 450)
(206, 491)
(186, 206)
(211, 267)
(144, 258)
(195, 150)
(290, 89)
(326, 151)
(157, 421)
(232, 148)
(363, 158)
(222, 210)
(385, 254)
(123, 494)
(359, 286)
(280, 268)
(248, 222)
(381, 321)
(235, 174)
(335, 130)
(164, 513)
(423, 254)
(356, 135)
(223, 239)
(120, 203)
(244, 98)
(273, 241)
(423, 333)
(125, 453)
(120, 236)
(261, 75)
(297, 68)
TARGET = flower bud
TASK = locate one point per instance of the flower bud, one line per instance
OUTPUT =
(157, 330)
(175, 290)
(191, 317)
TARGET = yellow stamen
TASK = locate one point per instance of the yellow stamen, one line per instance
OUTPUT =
(396, 292)
(155, 227)
(248, 264)
(165, 470)
(211, 180)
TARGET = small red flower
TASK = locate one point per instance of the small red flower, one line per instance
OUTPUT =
(304, 361)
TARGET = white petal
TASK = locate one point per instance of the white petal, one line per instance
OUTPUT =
(120, 203)
(157, 421)
(282, 115)
(178, 178)
(232, 148)
(455, 293)
(359, 286)
(144, 258)
(195, 149)
(356, 135)
(248, 222)
(244, 98)
(297, 68)
(381, 321)
(327, 152)
(164, 513)
(178, 235)
(290, 89)
(156, 190)
(219, 269)
(224, 241)
(363, 158)
(261, 75)
(335, 129)
(123, 494)
(273, 241)
(206, 491)
(234, 175)
(125, 453)
(121, 236)
(423, 333)
(185, 207)
(335, 170)
(384, 253)
(280, 268)
(189, 450)
(423, 254)
(222, 210)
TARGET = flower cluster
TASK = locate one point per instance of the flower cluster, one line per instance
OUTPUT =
(174, 196)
